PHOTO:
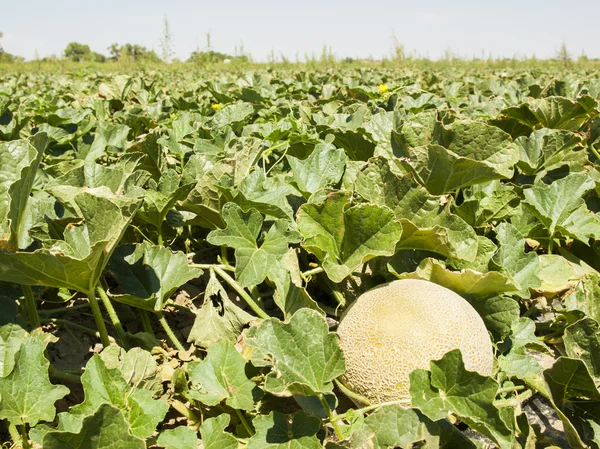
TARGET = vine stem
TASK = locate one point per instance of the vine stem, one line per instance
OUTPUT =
(163, 322)
(335, 291)
(245, 296)
(351, 394)
(30, 307)
(79, 327)
(244, 422)
(332, 419)
(208, 266)
(98, 317)
(24, 437)
(14, 433)
(85, 305)
(186, 412)
(112, 313)
(63, 376)
(312, 272)
(510, 389)
(146, 324)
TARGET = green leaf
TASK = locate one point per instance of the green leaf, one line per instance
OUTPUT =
(556, 273)
(427, 223)
(511, 259)
(585, 297)
(465, 282)
(158, 202)
(546, 149)
(268, 195)
(463, 154)
(499, 313)
(324, 167)
(243, 228)
(11, 339)
(344, 237)
(277, 431)
(573, 393)
(19, 162)
(305, 357)
(178, 438)
(105, 429)
(562, 113)
(77, 261)
(107, 137)
(104, 385)
(214, 435)
(392, 426)
(449, 388)
(561, 208)
(26, 394)
(290, 295)
(149, 274)
(233, 114)
(221, 377)
(487, 202)
(582, 341)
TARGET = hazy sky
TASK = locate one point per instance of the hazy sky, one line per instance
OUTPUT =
(295, 28)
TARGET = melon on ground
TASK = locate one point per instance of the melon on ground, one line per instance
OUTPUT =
(395, 328)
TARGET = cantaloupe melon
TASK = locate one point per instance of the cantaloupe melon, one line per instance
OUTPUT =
(395, 328)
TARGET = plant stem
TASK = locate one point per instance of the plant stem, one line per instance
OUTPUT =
(98, 317)
(15, 436)
(279, 145)
(146, 324)
(224, 259)
(351, 394)
(163, 322)
(595, 152)
(336, 293)
(30, 307)
(312, 272)
(85, 305)
(63, 376)
(24, 437)
(244, 422)
(332, 419)
(113, 317)
(79, 327)
(160, 237)
(186, 412)
(510, 389)
(354, 284)
(208, 266)
(511, 402)
(245, 296)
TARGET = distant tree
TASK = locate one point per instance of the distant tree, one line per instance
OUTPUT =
(1, 49)
(77, 52)
(132, 52)
(81, 52)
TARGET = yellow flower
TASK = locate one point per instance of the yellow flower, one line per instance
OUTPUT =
(216, 106)
(383, 88)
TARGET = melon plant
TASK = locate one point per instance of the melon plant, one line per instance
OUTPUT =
(398, 327)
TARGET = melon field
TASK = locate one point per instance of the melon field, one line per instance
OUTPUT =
(178, 248)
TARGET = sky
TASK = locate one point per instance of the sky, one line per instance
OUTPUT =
(350, 28)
